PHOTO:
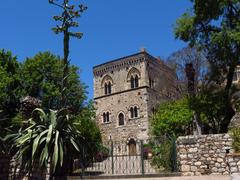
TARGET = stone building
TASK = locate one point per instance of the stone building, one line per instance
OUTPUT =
(126, 93)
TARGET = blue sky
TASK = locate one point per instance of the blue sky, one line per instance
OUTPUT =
(112, 29)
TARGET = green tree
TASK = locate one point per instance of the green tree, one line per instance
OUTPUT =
(172, 119)
(42, 79)
(10, 92)
(214, 26)
(10, 87)
(86, 124)
(210, 104)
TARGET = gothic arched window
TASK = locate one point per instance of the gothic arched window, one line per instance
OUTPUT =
(134, 112)
(121, 119)
(106, 118)
(133, 77)
(136, 81)
(105, 88)
(131, 112)
(109, 88)
(106, 85)
(132, 82)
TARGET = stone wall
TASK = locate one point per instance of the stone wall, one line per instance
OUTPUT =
(205, 154)
(133, 127)
(234, 163)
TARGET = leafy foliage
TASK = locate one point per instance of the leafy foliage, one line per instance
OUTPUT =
(164, 155)
(235, 134)
(172, 118)
(42, 76)
(86, 124)
(49, 137)
(214, 26)
(210, 104)
(57, 136)
(91, 141)
(10, 92)
(10, 89)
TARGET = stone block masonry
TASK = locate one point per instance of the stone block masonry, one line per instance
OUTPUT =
(126, 93)
(234, 163)
(205, 154)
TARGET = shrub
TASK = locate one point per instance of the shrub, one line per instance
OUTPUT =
(235, 134)
(164, 155)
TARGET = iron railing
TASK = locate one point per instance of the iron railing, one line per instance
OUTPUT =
(125, 158)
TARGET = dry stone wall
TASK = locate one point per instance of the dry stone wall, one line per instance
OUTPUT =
(205, 154)
(234, 163)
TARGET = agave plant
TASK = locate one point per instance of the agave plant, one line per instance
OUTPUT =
(47, 139)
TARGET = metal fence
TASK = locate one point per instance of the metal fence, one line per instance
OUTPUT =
(132, 157)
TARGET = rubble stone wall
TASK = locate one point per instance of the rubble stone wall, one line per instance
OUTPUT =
(234, 163)
(206, 154)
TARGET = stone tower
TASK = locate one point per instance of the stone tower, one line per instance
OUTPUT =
(126, 93)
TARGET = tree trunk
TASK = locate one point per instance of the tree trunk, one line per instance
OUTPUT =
(229, 111)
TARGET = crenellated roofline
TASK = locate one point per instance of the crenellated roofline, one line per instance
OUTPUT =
(119, 63)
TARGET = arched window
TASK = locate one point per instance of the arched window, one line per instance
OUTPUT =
(135, 111)
(133, 77)
(136, 81)
(106, 88)
(109, 87)
(131, 112)
(106, 85)
(106, 118)
(132, 82)
(121, 119)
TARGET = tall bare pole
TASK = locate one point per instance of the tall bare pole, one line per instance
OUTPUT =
(66, 21)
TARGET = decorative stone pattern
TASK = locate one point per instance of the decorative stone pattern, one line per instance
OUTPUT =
(205, 154)
(154, 77)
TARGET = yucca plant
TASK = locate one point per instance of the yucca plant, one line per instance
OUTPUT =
(49, 138)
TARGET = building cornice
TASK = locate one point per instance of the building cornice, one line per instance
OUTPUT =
(120, 92)
(119, 63)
